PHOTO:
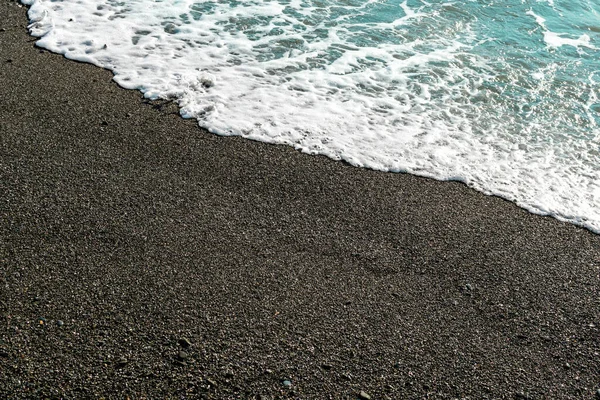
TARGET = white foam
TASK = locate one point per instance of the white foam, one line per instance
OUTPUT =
(554, 39)
(265, 71)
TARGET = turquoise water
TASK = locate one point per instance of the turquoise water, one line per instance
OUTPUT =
(501, 95)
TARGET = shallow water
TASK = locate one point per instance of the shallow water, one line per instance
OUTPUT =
(501, 95)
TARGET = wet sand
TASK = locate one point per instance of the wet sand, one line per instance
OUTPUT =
(142, 257)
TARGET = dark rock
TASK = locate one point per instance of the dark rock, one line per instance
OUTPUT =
(598, 394)
(59, 323)
(326, 367)
(2, 29)
(185, 343)
(228, 374)
(104, 123)
(9, 60)
(182, 356)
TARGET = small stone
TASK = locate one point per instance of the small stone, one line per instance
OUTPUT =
(182, 356)
(185, 343)
(326, 367)
(598, 394)
(567, 365)
(42, 321)
(2, 29)
(59, 323)
(468, 286)
(211, 382)
(268, 371)
(228, 374)
(104, 123)
(287, 383)
(364, 395)
(9, 60)
(521, 395)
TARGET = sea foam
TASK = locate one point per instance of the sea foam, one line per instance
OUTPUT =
(486, 94)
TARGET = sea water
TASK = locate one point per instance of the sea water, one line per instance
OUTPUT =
(502, 95)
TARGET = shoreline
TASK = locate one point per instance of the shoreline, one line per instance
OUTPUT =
(184, 264)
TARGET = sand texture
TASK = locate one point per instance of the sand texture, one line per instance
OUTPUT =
(142, 257)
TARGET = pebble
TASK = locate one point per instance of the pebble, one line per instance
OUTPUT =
(2, 29)
(598, 394)
(42, 321)
(59, 323)
(185, 343)
(211, 382)
(228, 374)
(364, 395)
(182, 355)
(287, 383)
(521, 395)
(326, 367)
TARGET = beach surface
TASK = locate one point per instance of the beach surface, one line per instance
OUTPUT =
(141, 257)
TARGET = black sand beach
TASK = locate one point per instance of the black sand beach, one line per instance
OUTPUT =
(141, 257)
